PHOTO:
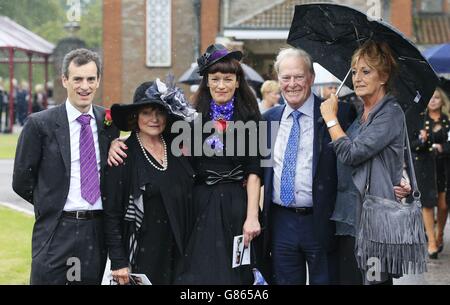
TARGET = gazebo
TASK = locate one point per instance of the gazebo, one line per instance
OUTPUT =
(15, 38)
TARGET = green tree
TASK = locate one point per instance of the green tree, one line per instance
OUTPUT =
(91, 24)
(47, 18)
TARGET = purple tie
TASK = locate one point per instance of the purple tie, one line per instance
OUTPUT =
(90, 185)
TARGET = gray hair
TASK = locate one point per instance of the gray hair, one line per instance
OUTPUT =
(81, 57)
(293, 52)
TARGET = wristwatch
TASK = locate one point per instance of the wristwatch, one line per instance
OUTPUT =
(331, 123)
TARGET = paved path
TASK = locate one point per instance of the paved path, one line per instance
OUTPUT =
(438, 270)
(7, 195)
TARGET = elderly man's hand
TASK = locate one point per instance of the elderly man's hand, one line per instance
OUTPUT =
(329, 108)
(402, 190)
(116, 152)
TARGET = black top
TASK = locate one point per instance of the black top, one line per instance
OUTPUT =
(428, 162)
(220, 206)
(167, 213)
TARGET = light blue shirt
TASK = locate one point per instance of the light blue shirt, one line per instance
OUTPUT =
(304, 166)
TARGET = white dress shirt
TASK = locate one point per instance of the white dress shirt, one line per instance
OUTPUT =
(74, 200)
(304, 166)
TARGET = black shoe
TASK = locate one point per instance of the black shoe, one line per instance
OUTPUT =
(440, 248)
(433, 255)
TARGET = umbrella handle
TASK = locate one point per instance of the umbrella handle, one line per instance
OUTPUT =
(343, 82)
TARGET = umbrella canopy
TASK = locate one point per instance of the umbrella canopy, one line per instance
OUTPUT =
(325, 78)
(331, 33)
(439, 57)
(191, 76)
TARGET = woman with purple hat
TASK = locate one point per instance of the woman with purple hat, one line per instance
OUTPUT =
(227, 188)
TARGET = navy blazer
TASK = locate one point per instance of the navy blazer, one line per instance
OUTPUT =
(324, 174)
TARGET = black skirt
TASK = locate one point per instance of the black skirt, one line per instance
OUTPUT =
(221, 210)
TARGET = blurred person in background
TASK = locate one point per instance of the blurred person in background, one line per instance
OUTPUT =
(38, 98)
(270, 91)
(2, 101)
(431, 147)
(22, 102)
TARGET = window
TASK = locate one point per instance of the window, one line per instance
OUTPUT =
(159, 33)
(431, 6)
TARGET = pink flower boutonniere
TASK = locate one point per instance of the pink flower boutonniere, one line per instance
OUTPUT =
(108, 119)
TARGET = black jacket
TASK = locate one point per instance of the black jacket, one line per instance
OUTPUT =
(42, 166)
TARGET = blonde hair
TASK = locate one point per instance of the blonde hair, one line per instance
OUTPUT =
(39, 88)
(445, 108)
(378, 55)
(269, 86)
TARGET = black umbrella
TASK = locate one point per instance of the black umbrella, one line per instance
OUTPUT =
(191, 76)
(330, 33)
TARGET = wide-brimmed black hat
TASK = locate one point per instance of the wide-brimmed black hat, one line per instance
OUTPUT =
(156, 92)
(213, 54)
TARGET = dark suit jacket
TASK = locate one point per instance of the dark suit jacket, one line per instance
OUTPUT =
(42, 166)
(324, 173)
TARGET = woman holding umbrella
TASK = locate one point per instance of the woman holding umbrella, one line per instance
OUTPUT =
(148, 197)
(375, 142)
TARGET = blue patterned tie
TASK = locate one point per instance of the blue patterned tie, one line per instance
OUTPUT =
(287, 193)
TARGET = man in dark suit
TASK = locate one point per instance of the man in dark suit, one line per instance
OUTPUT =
(59, 158)
(300, 183)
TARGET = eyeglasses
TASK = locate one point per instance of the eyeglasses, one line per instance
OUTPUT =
(215, 81)
(286, 79)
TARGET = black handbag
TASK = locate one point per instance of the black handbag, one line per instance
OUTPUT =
(392, 231)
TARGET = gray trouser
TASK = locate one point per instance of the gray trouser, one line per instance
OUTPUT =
(74, 255)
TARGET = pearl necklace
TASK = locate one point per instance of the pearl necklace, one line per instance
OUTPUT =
(165, 161)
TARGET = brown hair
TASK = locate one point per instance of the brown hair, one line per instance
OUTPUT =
(81, 57)
(132, 117)
(378, 56)
(245, 105)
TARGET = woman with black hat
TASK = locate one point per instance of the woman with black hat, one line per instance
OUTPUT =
(146, 217)
(227, 184)
(227, 188)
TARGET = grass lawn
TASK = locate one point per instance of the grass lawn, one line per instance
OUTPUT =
(8, 144)
(15, 246)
